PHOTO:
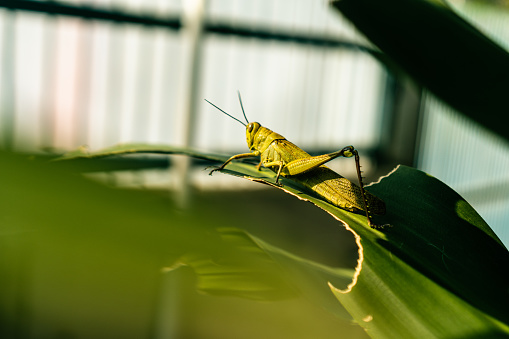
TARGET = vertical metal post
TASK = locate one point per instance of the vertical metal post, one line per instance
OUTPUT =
(166, 321)
(192, 47)
(48, 82)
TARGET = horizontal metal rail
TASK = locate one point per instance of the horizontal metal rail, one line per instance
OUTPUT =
(90, 13)
(175, 23)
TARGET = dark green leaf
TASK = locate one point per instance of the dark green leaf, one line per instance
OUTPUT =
(441, 51)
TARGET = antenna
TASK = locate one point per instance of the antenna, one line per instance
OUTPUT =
(241, 106)
(226, 113)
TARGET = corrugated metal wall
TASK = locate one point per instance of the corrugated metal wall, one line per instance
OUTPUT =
(78, 82)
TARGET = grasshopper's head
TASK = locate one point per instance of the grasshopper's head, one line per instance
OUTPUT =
(251, 130)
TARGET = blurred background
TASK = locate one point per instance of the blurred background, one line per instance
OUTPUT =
(99, 73)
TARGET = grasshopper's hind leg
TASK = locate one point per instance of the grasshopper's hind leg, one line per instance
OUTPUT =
(306, 164)
(355, 154)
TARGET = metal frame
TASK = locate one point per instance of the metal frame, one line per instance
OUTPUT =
(175, 23)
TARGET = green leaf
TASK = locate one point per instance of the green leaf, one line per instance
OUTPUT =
(439, 271)
(130, 148)
(259, 271)
(440, 51)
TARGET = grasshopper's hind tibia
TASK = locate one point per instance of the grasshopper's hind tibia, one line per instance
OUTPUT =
(363, 191)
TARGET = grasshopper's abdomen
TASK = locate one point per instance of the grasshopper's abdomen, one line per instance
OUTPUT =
(339, 191)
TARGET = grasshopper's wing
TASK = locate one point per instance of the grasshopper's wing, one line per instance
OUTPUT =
(339, 191)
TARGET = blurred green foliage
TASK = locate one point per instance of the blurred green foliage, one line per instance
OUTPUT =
(82, 260)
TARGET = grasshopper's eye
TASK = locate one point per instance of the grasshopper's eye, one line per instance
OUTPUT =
(250, 127)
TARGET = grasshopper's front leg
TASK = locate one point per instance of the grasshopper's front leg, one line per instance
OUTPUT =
(235, 157)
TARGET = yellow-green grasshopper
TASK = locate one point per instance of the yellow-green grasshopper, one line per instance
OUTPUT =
(288, 160)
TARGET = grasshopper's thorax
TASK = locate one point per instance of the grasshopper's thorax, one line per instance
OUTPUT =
(259, 137)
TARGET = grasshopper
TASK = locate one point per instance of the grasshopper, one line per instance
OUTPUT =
(288, 160)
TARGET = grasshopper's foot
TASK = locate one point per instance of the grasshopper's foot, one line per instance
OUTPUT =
(379, 227)
(214, 169)
(278, 184)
